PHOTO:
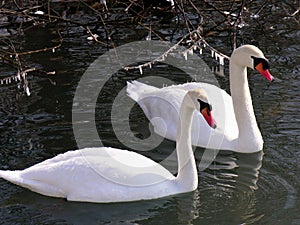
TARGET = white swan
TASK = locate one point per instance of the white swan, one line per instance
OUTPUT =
(114, 175)
(237, 127)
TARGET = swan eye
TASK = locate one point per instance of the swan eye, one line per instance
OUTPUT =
(204, 105)
(257, 61)
(209, 107)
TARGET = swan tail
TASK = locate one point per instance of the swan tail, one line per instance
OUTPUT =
(136, 90)
(40, 187)
(11, 176)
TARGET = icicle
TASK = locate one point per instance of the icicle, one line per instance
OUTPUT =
(212, 53)
(9, 80)
(27, 91)
(241, 25)
(255, 16)
(195, 47)
(6, 81)
(53, 50)
(200, 51)
(24, 75)
(39, 12)
(185, 55)
(221, 60)
(1, 81)
(204, 45)
(190, 51)
(150, 65)
(171, 2)
(216, 56)
(148, 37)
(18, 77)
(92, 37)
(141, 70)
(103, 2)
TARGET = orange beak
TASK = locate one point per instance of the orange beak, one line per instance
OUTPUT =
(265, 72)
(209, 118)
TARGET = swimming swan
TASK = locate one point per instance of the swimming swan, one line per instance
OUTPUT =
(237, 126)
(113, 175)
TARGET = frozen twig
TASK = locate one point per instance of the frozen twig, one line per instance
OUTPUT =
(198, 43)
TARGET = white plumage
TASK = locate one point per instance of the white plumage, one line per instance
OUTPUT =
(96, 175)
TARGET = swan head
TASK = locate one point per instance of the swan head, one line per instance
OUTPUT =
(200, 103)
(252, 57)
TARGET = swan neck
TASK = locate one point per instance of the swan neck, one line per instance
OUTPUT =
(187, 171)
(249, 133)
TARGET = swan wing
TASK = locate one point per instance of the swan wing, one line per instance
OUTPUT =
(161, 106)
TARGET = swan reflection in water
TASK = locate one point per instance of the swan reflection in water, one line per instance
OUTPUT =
(240, 171)
(228, 187)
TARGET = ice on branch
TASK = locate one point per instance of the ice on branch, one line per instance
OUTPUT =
(185, 55)
(221, 60)
(141, 70)
(18, 77)
(212, 53)
(171, 2)
(216, 56)
(39, 12)
(27, 91)
(254, 16)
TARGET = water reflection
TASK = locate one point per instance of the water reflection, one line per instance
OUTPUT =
(227, 188)
(180, 209)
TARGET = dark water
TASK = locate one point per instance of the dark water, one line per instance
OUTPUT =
(259, 188)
